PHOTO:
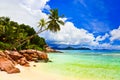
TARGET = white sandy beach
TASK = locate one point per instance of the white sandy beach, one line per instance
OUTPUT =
(33, 73)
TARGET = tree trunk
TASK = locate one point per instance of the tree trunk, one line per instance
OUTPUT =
(18, 44)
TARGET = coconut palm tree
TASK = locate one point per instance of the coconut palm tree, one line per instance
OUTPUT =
(54, 21)
(52, 25)
(42, 27)
(5, 22)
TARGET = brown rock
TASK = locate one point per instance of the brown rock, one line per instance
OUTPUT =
(22, 51)
(34, 55)
(7, 55)
(27, 56)
(49, 49)
(15, 55)
(43, 56)
(30, 51)
(8, 66)
(8, 59)
(14, 70)
(34, 65)
(7, 51)
(22, 61)
(2, 54)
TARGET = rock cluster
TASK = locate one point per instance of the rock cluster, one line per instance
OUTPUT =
(8, 59)
(50, 50)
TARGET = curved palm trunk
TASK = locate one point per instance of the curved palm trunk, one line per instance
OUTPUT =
(20, 43)
(52, 25)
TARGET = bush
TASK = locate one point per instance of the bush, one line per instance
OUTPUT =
(4, 46)
(33, 46)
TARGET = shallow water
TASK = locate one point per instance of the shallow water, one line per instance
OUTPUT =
(88, 64)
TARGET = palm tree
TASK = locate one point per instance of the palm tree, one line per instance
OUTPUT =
(42, 27)
(53, 25)
(4, 27)
(5, 22)
(41, 24)
(54, 21)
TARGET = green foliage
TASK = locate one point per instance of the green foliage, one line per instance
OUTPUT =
(11, 32)
(38, 40)
(33, 46)
(4, 46)
(54, 21)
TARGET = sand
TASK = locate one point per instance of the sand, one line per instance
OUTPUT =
(33, 73)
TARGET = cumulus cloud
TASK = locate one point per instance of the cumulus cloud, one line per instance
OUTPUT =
(115, 34)
(35, 4)
(70, 35)
(24, 11)
(101, 38)
(108, 46)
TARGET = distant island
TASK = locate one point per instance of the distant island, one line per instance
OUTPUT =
(72, 48)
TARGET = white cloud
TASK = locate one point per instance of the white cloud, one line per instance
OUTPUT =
(104, 46)
(109, 46)
(70, 35)
(35, 4)
(24, 11)
(101, 38)
(98, 26)
(115, 34)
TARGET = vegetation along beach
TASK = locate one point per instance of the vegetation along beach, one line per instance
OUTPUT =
(59, 40)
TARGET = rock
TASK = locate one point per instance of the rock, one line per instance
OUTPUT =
(27, 56)
(43, 56)
(14, 70)
(2, 53)
(7, 55)
(30, 51)
(22, 61)
(8, 66)
(50, 50)
(34, 55)
(8, 59)
(17, 58)
(22, 51)
(15, 55)
(34, 65)
(7, 51)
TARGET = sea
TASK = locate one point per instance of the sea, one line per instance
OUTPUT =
(86, 64)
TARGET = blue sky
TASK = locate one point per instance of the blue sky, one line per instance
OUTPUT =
(96, 16)
(88, 23)
(83, 12)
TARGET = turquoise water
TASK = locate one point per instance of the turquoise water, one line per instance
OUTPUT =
(88, 64)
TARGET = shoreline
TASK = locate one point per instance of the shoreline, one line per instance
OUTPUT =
(69, 67)
(34, 72)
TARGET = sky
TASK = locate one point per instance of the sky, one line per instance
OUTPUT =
(88, 23)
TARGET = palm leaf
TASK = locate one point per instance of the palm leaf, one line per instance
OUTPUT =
(61, 22)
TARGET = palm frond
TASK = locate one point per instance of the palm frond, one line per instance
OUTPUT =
(61, 22)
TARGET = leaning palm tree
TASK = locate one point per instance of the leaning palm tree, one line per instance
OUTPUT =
(54, 21)
(41, 25)
(52, 25)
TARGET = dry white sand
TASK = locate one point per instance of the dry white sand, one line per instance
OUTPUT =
(33, 73)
